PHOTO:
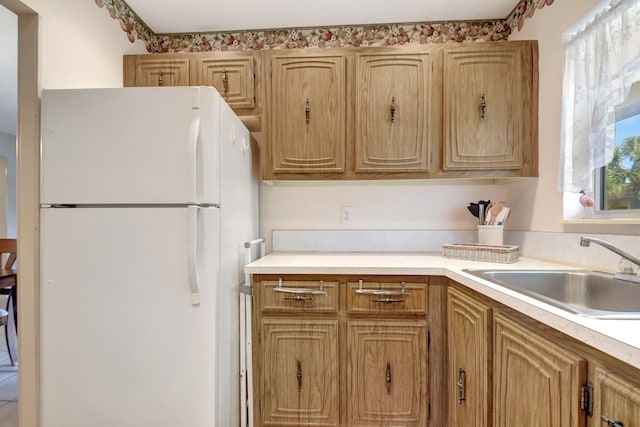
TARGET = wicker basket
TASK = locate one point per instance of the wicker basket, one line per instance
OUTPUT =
(505, 254)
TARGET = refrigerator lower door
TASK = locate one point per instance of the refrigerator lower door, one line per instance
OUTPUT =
(122, 342)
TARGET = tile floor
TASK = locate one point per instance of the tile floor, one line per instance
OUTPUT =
(8, 387)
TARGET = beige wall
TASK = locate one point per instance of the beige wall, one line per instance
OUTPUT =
(80, 45)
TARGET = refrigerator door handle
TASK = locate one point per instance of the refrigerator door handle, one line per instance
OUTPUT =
(197, 185)
(192, 254)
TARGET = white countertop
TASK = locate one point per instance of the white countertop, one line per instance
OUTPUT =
(619, 338)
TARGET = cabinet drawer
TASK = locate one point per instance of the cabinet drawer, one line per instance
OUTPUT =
(386, 298)
(299, 296)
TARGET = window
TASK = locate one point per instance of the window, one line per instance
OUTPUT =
(618, 183)
(600, 140)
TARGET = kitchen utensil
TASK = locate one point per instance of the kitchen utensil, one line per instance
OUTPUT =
(495, 210)
(474, 208)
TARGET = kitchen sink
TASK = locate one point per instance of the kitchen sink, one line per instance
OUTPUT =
(582, 292)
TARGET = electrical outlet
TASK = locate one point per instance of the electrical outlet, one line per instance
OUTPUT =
(346, 216)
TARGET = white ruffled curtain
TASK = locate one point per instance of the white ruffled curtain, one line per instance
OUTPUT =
(601, 63)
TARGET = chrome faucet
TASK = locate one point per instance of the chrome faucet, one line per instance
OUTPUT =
(626, 273)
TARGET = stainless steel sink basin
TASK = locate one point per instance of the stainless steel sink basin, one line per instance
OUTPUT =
(582, 292)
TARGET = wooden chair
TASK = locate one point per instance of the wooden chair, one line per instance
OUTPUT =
(8, 286)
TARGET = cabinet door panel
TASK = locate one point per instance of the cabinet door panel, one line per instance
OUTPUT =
(300, 383)
(536, 383)
(308, 114)
(615, 399)
(469, 358)
(487, 106)
(392, 112)
(387, 373)
(231, 76)
(154, 71)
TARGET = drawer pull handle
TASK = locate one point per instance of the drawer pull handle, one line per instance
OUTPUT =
(299, 375)
(225, 81)
(300, 291)
(307, 111)
(483, 107)
(387, 300)
(393, 109)
(611, 422)
(160, 79)
(388, 378)
(298, 298)
(460, 384)
(387, 293)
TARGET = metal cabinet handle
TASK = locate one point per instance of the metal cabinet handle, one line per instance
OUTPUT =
(225, 81)
(393, 109)
(387, 300)
(460, 384)
(299, 375)
(381, 292)
(307, 112)
(611, 422)
(483, 107)
(387, 378)
(299, 291)
(160, 79)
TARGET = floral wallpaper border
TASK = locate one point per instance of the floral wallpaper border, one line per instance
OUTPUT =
(337, 36)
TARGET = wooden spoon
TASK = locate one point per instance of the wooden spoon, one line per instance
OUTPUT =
(495, 210)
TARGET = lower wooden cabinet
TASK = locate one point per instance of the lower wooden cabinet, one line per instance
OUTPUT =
(536, 382)
(616, 399)
(341, 351)
(300, 361)
(469, 344)
(387, 373)
(506, 369)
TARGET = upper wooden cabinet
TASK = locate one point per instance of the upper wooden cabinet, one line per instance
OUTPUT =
(231, 73)
(460, 110)
(156, 70)
(307, 105)
(351, 113)
(490, 107)
(393, 111)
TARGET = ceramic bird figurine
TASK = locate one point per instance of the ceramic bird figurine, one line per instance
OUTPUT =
(588, 203)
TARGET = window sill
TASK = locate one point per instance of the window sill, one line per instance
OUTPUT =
(626, 226)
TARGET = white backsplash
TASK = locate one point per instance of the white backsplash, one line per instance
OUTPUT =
(557, 247)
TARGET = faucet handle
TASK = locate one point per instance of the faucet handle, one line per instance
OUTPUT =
(627, 267)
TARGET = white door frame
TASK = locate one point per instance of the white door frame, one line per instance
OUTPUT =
(28, 135)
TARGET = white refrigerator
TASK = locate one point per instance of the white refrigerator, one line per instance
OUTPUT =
(147, 197)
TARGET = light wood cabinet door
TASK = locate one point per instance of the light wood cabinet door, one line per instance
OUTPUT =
(490, 107)
(156, 70)
(393, 108)
(469, 341)
(387, 373)
(307, 113)
(300, 375)
(616, 400)
(535, 381)
(231, 74)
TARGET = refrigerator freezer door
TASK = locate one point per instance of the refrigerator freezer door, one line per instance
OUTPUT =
(121, 342)
(130, 146)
